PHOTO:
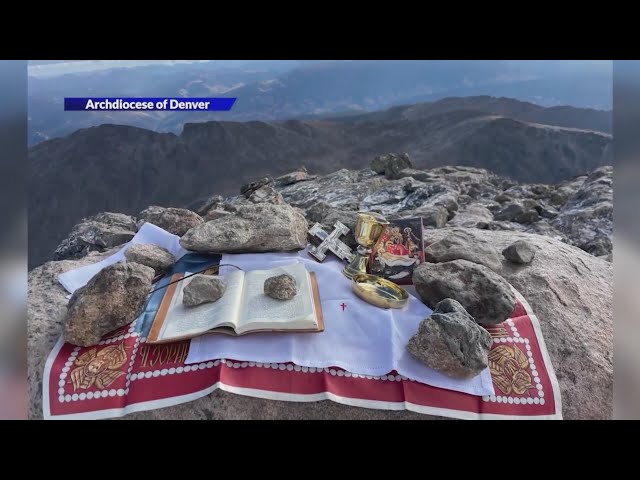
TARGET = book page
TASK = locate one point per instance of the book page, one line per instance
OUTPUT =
(184, 321)
(261, 311)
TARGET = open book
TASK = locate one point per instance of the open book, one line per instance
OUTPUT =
(244, 308)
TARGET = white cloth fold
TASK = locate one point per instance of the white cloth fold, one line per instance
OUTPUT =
(148, 233)
(360, 338)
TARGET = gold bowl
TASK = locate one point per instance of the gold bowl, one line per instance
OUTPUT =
(379, 291)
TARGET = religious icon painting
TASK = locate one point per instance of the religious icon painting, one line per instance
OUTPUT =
(398, 251)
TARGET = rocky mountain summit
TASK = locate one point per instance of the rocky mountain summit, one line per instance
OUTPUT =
(82, 174)
(553, 243)
(578, 211)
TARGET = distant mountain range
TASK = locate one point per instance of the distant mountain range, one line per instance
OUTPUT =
(124, 169)
(280, 90)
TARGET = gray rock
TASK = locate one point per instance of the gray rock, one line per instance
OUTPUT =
(424, 196)
(528, 216)
(391, 197)
(509, 213)
(262, 227)
(571, 293)
(470, 216)
(565, 190)
(420, 175)
(531, 204)
(343, 189)
(266, 194)
(503, 198)
(203, 289)
(392, 172)
(317, 212)
(493, 207)
(543, 228)
(281, 287)
(548, 212)
(96, 234)
(173, 220)
(409, 197)
(114, 297)
(391, 162)
(598, 247)
(607, 258)
(462, 174)
(483, 293)
(300, 175)
(458, 246)
(154, 256)
(506, 226)
(435, 216)
(232, 204)
(451, 342)
(215, 213)
(520, 252)
(203, 206)
(588, 213)
(249, 188)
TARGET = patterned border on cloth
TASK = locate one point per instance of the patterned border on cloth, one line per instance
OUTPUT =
(124, 374)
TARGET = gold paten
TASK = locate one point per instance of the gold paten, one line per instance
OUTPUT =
(379, 291)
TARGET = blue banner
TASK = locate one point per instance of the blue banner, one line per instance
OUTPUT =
(140, 104)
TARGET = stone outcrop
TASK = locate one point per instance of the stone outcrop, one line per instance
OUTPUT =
(96, 234)
(262, 227)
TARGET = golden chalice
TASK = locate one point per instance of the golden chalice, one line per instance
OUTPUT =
(369, 227)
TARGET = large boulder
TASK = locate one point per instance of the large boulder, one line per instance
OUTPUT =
(114, 297)
(571, 293)
(450, 341)
(173, 220)
(461, 245)
(96, 234)
(484, 294)
(262, 227)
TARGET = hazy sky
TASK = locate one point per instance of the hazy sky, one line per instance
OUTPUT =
(52, 68)
(48, 68)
